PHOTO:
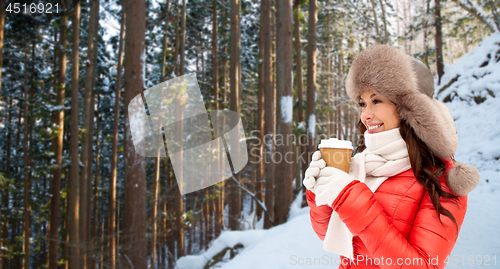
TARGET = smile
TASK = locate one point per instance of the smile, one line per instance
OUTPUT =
(374, 127)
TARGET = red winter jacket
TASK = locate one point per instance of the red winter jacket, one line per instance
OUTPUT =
(397, 224)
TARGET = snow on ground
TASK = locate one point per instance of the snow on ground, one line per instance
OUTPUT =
(295, 245)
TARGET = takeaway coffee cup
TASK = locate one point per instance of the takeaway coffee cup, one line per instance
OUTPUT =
(336, 153)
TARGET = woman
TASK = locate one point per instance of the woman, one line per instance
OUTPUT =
(404, 200)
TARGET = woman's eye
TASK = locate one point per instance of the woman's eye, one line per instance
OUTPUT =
(361, 104)
(376, 101)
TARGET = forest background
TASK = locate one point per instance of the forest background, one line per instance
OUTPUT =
(73, 192)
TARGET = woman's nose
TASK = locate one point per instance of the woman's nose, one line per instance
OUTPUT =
(366, 114)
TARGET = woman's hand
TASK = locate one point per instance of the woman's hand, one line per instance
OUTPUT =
(325, 182)
(314, 171)
(328, 187)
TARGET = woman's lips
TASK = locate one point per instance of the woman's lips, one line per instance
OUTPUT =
(374, 128)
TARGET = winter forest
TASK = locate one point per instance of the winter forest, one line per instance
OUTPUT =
(73, 192)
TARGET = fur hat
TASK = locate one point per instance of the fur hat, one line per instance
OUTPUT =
(409, 84)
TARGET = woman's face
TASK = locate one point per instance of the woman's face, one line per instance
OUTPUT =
(377, 113)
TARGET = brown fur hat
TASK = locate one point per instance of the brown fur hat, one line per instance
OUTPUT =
(409, 84)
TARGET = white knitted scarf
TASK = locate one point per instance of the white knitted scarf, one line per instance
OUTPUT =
(385, 155)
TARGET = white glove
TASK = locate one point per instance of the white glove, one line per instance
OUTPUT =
(325, 182)
(327, 188)
(317, 168)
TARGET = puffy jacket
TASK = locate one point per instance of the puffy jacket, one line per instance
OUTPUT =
(397, 224)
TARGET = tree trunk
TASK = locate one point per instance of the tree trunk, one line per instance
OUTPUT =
(154, 207)
(439, 41)
(27, 183)
(375, 19)
(384, 20)
(329, 75)
(58, 150)
(215, 82)
(183, 38)
(170, 207)
(179, 198)
(425, 35)
(91, 149)
(85, 177)
(114, 153)
(2, 21)
(73, 188)
(5, 193)
(267, 87)
(97, 196)
(311, 80)
(164, 45)
(177, 38)
(284, 167)
(134, 212)
(234, 105)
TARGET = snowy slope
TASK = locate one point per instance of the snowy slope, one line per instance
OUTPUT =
(295, 245)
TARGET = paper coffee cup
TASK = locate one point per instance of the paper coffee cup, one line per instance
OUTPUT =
(336, 153)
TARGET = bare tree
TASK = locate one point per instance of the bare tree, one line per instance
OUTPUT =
(265, 7)
(58, 148)
(27, 169)
(5, 194)
(134, 212)
(112, 180)
(311, 79)
(85, 177)
(439, 40)
(2, 22)
(73, 188)
(284, 167)
(234, 105)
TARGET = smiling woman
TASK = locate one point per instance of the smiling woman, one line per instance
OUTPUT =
(404, 197)
(377, 113)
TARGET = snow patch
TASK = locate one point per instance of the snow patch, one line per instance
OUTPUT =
(287, 108)
(312, 125)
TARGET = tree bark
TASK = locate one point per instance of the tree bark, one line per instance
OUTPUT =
(439, 41)
(267, 87)
(58, 150)
(234, 105)
(27, 169)
(215, 83)
(183, 39)
(73, 188)
(85, 177)
(284, 167)
(114, 152)
(154, 207)
(170, 223)
(384, 21)
(375, 19)
(97, 196)
(259, 179)
(164, 45)
(6, 193)
(329, 74)
(134, 212)
(311, 80)
(92, 255)
(2, 22)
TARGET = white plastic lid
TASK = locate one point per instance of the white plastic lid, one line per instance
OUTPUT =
(335, 143)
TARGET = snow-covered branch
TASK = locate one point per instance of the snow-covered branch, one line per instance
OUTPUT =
(253, 197)
(478, 12)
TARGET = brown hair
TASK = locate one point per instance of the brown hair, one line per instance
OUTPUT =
(426, 166)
